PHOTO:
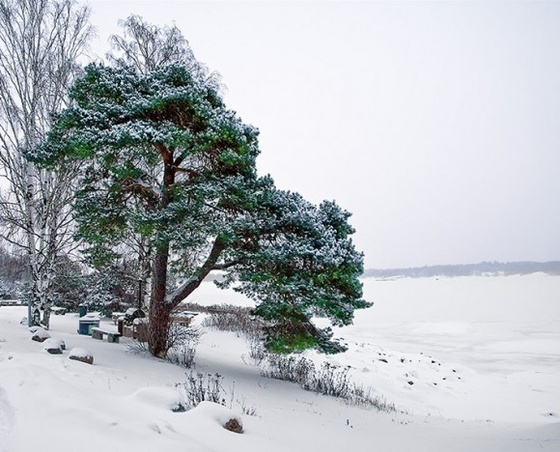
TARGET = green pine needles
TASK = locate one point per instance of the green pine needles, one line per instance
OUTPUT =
(162, 159)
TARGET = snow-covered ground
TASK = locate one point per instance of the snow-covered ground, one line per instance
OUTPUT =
(472, 364)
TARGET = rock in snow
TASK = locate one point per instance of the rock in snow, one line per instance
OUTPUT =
(40, 335)
(81, 354)
(54, 346)
(227, 418)
(168, 399)
(233, 425)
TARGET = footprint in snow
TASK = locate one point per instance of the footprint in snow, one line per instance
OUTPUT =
(7, 414)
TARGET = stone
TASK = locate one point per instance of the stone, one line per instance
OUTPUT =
(81, 354)
(40, 335)
(54, 351)
(233, 425)
(54, 346)
(83, 359)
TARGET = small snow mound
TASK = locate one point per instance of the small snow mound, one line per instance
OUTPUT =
(227, 418)
(40, 335)
(81, 354)
(166, 398)
(54, 346)
(160, 427)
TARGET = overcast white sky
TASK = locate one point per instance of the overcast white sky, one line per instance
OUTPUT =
(437, 124)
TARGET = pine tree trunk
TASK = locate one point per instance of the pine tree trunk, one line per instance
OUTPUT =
(160, 313)
(158, 331)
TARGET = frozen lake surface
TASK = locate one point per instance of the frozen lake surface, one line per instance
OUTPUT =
(471, 363)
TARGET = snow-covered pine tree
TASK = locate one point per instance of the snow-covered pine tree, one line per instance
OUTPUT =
(296, 260)
(162, 157)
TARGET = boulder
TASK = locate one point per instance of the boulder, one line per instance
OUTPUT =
(40, 335)
(54, 346)
(234, 425)
(225, 417)
(81, 354)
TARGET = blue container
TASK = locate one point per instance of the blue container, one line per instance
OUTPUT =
(86, 325)
(82, 310)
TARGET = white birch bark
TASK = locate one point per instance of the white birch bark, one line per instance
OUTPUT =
(40, 41)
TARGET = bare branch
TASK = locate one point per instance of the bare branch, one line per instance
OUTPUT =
(40, 41)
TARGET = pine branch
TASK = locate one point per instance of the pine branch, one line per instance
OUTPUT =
(194, 281)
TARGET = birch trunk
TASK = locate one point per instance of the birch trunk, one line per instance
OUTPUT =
(40, 41)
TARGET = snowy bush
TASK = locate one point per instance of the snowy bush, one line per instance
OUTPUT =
(240, 321)
(288, 368)
(235, 319)
(199, 387)
(363, 397)
(328, 380)
(257, 352)
(184, 341)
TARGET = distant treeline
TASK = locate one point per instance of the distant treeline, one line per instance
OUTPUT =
(12, 267)
(506, 268)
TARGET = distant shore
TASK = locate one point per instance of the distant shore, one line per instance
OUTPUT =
(482, 268)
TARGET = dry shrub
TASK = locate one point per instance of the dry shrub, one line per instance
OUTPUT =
(199, 387)
(328, 380)
(235, 319)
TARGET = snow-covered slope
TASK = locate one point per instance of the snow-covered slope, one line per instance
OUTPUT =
(482, 354)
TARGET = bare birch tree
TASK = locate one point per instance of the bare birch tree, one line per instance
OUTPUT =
(40, 42)
(148, 47)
